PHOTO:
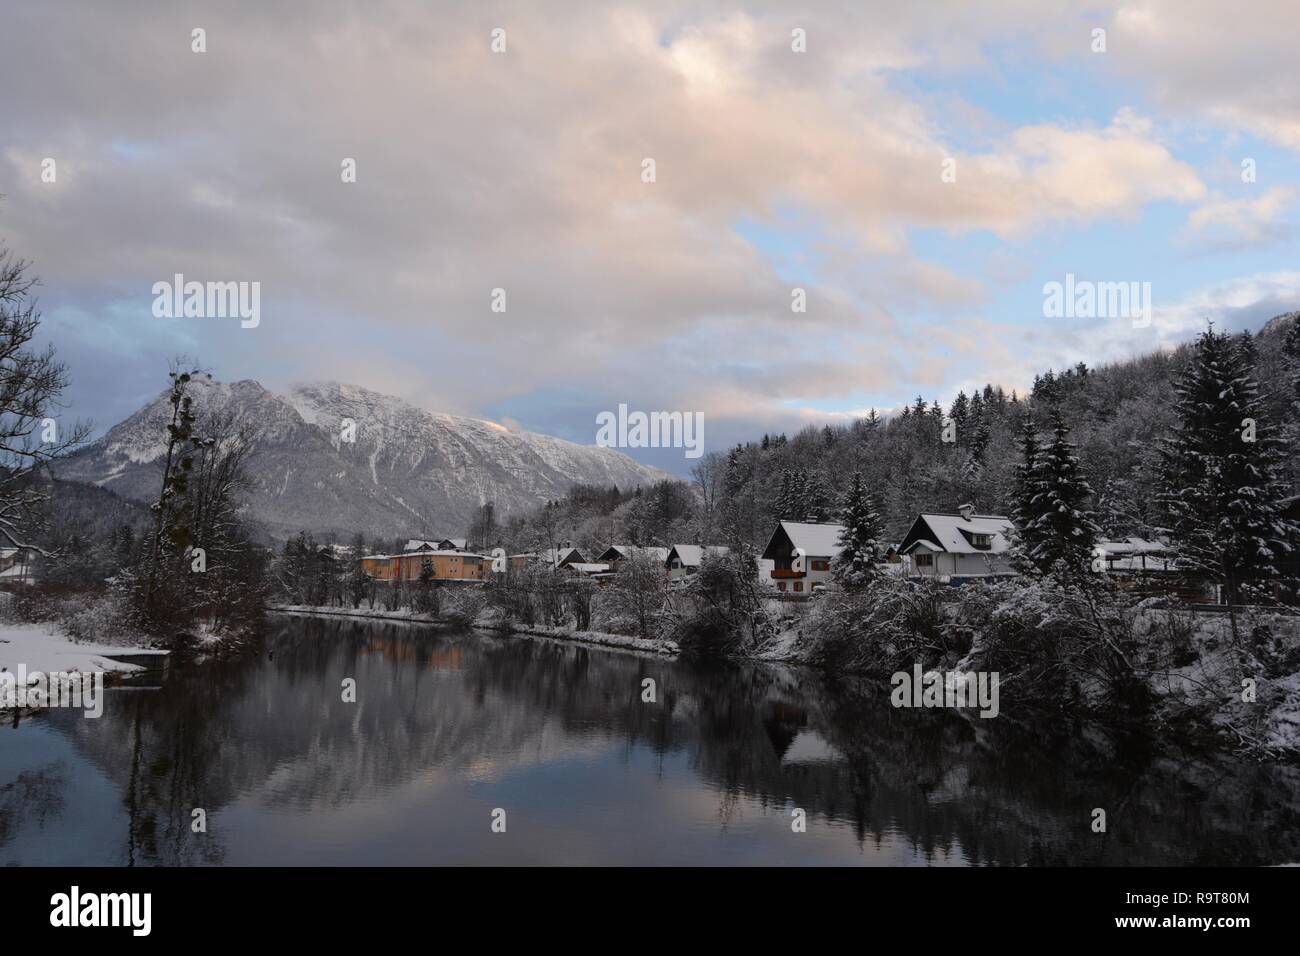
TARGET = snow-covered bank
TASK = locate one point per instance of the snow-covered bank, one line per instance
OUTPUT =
(39, 648)
(623, 641)
(601, 638)
(404, 614)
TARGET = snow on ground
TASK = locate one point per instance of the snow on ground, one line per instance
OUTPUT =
(38, 648)
(1283, 728)
(649, 645)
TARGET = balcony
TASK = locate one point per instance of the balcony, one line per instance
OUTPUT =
(779, 573)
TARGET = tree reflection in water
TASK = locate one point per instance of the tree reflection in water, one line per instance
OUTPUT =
(709, 773)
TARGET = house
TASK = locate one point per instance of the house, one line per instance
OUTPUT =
(953, 547)
(801, 553)
(445, 565)
(590, 569)
(16, 566)
(621, 552)
(1151, 569)
(561, 557)
(684, 559)
(1135, 555)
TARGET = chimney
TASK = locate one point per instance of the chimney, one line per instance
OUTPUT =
(967, 511)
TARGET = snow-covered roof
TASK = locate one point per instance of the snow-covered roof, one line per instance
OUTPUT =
(557, 556)
(443, 552)
(589, 567)
(1132, 545)
(690, 555)
(436, 544)
(926, 543)
(816, 540)
(616, 551)
(952, 533)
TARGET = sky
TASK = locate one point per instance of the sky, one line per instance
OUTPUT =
(920, 171)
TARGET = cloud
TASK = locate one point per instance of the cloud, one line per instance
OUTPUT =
(1229, 68)
(1243, 223)
(522, 171)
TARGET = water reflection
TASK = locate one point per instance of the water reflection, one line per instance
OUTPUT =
(448, 726)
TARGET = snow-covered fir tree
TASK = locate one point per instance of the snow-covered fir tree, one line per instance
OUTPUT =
(862, 540)
(1025, 488)
(1291, 428)
(1220, 484)
(1062, 530)
(785, 505)
(818, 500)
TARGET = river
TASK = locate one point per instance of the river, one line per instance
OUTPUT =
(454, 731)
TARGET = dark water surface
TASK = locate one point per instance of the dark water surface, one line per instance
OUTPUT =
(449, 726)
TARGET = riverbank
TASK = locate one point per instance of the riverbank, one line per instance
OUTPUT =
(38, 647)
(599, 638)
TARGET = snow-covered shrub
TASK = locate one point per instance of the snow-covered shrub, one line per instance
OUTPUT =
(1053, 644)
(720, 612)
(635, 597)
(463, 605)
(891, 624)
(1056, 643)
(86, 615)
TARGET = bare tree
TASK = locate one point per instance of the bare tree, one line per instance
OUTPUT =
(30, 385)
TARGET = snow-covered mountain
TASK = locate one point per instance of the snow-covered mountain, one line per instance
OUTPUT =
(409, 471)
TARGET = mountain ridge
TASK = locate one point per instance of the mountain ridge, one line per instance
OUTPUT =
(408, 470)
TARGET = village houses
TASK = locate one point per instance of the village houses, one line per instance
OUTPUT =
(953, 547)
(801, 553)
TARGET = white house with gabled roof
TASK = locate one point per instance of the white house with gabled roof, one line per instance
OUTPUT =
(801, 553)
(952, 547)
(685, 559)
(621, 552)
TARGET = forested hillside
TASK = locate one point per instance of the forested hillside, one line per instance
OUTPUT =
(927, 457)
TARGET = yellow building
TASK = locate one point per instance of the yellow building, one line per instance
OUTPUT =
(445, 566)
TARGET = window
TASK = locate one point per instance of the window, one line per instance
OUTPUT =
(982, 541)
(821, 565)
(924, 559)
(798, 585)
(780, 585)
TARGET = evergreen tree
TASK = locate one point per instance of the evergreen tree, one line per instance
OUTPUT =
(1219, 473)
(1025, 490)
(1291, 353)
(785, 503)
(862, 540)
(980, 436)
(1063, 531)
(959, 413)
(818, 502)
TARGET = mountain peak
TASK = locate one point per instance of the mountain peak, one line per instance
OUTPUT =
(401, 469)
